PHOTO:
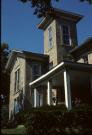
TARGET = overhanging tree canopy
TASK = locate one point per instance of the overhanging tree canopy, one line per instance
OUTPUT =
(5, 82)
(43, 7)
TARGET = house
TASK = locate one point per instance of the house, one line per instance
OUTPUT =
(61, 74)
(24, 67)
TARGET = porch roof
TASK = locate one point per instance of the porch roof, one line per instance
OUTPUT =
(85, 47)
(65, 65)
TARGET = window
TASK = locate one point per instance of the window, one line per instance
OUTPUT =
(36, 71)
(66, 36)
(17, 79)
(51, 65)
(16, 107)
(50, 37)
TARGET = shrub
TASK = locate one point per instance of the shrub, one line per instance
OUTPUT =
(4, 115)
(57, 120)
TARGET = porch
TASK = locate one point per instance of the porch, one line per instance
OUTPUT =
(64, 84)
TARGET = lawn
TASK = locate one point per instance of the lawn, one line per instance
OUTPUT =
(19, 130)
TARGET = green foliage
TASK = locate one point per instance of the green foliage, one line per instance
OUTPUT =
(5, 79)
(4, 115)
(56, 120)
(4, 52)
(41, 7)
(89, 1)
(44, 7)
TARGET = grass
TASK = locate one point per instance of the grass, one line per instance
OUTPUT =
(19, 130)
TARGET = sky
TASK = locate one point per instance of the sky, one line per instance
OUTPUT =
(19, 25)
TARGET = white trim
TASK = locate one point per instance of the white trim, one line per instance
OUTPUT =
(16, 68)
(35, 97)
(67, 90)
(47, 74)
(49, 92)
(87, 67)
(41, 22)
(14, 50)
(10, 57)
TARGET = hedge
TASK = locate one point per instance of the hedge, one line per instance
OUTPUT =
(57, 120)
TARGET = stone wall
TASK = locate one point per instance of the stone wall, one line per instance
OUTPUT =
(59, 51)
(52, 52)
(90, 58)
(18, 63)
(62, 49)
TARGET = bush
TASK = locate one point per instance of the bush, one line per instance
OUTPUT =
(57, 120)
(4, 115)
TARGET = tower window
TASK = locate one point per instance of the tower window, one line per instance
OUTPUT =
(50, 37)
(66, 36)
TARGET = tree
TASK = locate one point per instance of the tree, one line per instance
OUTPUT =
(5, 81)
(43, 7)
(89, 1)
(4, 55)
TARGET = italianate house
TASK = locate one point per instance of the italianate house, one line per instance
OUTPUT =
(61, 74)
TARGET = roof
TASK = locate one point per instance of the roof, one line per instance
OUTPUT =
(59, 13)
(83, 48)
(26, 55)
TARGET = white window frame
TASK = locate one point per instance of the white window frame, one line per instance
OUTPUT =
(68, 35)
(39, 74)
(50, 37)
(17, 80)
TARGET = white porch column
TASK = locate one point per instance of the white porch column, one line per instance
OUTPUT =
(49, 92)
(35, 97)
(67, 90)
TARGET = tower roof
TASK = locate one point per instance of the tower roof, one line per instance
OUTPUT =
(57, 13)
